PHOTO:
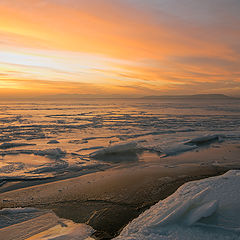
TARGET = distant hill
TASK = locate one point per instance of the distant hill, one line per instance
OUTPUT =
(85, 96)
(196, 96)
(94, 96)
(117, 96)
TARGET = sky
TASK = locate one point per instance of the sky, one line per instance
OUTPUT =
(119, 47)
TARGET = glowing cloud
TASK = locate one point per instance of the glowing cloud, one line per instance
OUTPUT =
(122, 47)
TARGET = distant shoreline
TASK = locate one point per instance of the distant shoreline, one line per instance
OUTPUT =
(195, 96)
(93, 97)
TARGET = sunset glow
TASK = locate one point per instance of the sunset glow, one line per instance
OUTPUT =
(123, 47)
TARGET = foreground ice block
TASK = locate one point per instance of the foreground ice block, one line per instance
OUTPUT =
(201, 210)
(34, 224)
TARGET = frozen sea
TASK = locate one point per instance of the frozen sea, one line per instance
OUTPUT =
(45, 139)
(54, 139)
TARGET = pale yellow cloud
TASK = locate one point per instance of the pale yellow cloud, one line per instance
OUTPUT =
(116, 46)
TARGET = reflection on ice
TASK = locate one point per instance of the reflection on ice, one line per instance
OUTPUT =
(106, 131)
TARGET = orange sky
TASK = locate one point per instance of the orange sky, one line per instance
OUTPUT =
(128, 47)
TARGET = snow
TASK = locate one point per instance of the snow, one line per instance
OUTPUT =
(205, 209)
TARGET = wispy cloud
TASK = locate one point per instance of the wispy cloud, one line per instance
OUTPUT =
(136, 46)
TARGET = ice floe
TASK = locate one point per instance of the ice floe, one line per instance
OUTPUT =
(168, 147)
(31, 223)
(206, 139)
(176, 149)
(52, 152)
(117, 153)
(203, 210)
(53, 142)
(115, 149)
(7, 145)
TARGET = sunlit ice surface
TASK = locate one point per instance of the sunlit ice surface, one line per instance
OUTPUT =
(47, 139)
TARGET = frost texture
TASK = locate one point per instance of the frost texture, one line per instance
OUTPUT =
(206, 209)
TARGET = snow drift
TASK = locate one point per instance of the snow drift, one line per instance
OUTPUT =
(206, 209)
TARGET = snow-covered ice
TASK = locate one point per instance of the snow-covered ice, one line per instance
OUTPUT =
(202, 210)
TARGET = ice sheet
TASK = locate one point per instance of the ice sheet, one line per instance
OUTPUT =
(60, 136)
